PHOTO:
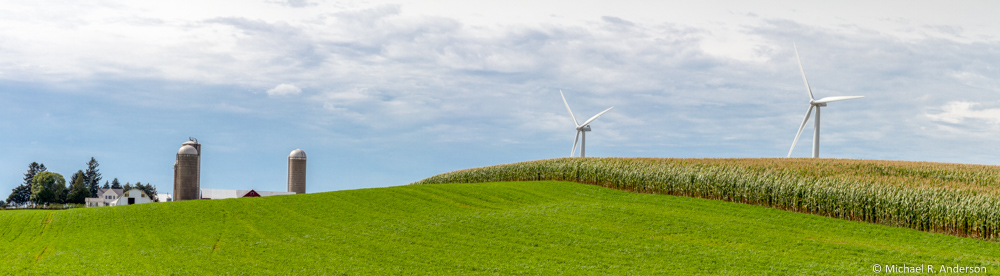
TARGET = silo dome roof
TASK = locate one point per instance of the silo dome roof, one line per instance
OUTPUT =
(297, 154)
(187, 149)
(189, 142)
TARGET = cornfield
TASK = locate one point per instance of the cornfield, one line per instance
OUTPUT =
(955, 199)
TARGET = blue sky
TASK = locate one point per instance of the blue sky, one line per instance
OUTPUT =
(383, 93)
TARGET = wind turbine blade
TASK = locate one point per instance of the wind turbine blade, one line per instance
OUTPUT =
(837, 98)
(595, 116)
(804, 120)
(803, 72)
(567, 109)
(577, 139)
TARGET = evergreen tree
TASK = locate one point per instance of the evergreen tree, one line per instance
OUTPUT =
(33, 169)
(106, 186)
(47, 187)
(78, 189)
(115, 184)
(78, 176)
(21, 194)
(128, 186)
(92, 178)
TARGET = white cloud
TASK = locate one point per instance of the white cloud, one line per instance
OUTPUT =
(284, 89)
(225, 107)
(959, 111)
(978, 80)
(296, 3)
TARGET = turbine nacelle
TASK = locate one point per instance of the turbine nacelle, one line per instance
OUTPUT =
(583, 128)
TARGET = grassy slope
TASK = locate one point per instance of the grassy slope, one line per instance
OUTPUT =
(514, 227)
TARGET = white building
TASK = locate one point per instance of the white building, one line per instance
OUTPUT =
(105, 197)
(269, 193)
(164, 198)
(133, 196)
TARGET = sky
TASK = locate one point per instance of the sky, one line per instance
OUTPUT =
(385, 93)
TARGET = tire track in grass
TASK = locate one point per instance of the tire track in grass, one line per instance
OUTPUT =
(292, 214)
(48, 220)
(21, 229)
(215, 247)
(23, 237)
(326, 237)
(39, 257)
(459, 199)
(287, 228)
(463, 228)
(45, 226)
(249, 236)
(7, 233)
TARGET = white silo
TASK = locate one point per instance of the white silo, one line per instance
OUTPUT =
(187, 171)
(297, 171)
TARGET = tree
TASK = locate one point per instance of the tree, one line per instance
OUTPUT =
(128, 186)
(78, 189)
(78, 176)
(60, 193)
(106, 186)
(46, 187)
(33, 169)
(21, 194)
(115, 184)
(92, 178)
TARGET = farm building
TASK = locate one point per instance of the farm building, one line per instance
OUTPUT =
(105, 197)
(133, 196)
(164, 198)
(226, 193)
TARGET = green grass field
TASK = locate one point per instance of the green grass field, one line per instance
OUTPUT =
(544, 228)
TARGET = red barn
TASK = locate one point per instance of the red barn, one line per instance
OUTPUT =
(251, 193)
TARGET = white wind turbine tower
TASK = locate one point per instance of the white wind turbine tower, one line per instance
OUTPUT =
(813, 103)
(581, 128)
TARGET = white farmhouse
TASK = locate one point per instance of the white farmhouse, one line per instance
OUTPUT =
(105, 197)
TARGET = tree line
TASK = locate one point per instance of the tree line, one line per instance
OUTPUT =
(42, 187)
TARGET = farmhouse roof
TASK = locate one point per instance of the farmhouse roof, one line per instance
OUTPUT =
(118, 192)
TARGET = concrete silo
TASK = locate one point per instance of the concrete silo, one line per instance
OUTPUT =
(297, 171)
(194, 143)
(187, 171)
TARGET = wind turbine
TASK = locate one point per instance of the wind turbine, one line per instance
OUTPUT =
(581, 128)
(813, 103)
